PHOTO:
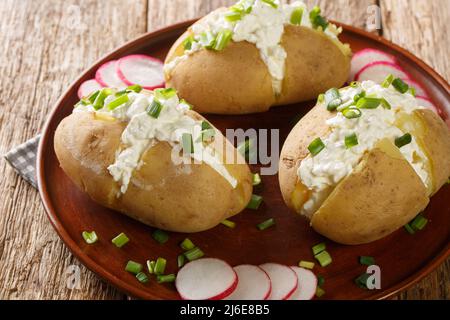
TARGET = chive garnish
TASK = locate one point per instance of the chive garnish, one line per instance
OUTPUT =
(165, 93)
(247, 149)
(266, 224)
(154, 109)
(333, 105)
(150, 266)
(100, 98)
(320, 292)
(354, 84)
(118, 102)
(324, 258)
(234, 14)
(187, 244)
(318, 248)
(320, 280)
(400, 86)
(385, 104)
(93, 96)
(142, 277)
(351, 113)
(181, 259)
(208, 135)
(166, 278)
(366, 260)
(207, 39)
(412, 91)
(409, 229)
(187, 43)
(419, 223)
(368, 103)
(316, 146)
(388, 81)
(296, 16)
(271, 3)
(358, 96)
(321, 98)
(351, 141)
(361, 281)
(135, 87)
(133, 267)
(194, 254)
(120, 240)
(160, 266)
(317, 20)
(403, 140)
(332, 94)
(255, 202)
(89, 237)
(306, 264)
(256, 179)
(222, 39)
(160, 236)
(229, 224)
(187, 142)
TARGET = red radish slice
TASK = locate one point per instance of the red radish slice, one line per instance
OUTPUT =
(87, 87)
(107, 76)
(427, 103)
(140, 69)
(206, 279)
(253, 284)
(366, 56)
(307, 284)
(378, 71)
(284, 280)
(420, 91)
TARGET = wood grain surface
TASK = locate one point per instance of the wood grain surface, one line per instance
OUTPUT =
(48, 43)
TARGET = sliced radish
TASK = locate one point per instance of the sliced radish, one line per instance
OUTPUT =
(141, 69)
(307, 284)
(427, 103)
(378, 71)
(206, 279)
(87, 87)
(107, 76)
(420, 91)
(366, 56)
(253, 284)
(284, 280)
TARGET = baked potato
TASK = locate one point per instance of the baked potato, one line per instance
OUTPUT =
(135, 156)
(364, 161)
(257, 54)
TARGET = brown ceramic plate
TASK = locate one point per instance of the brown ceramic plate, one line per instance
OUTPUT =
(404, 259)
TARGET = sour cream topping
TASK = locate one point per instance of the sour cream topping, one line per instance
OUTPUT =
(321, 173)
(143, 132)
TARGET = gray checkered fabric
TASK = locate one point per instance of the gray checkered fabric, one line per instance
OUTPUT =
(23, 159)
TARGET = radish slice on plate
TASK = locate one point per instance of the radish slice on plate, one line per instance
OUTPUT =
(284, 280)
(107, 76)
(378, 71)
(307, 284)
(427, 103)
(87, 87)
(253, 284)
(206, 279)
(420, 91)
(366, 56)
(141, 69)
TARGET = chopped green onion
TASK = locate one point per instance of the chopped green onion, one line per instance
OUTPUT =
(316, 146)
(188, 144)
(194, 254)
(354, 84)
(368, 103)
(154, 109)
(160, 236)
(385, 104)
(166, 93)
(120, 240)
(419, 223)
(412, 91)
(361, 281)
(187, 244)
(89, 237)
(332, 94)
(93, 96)
(82, 102)
(320, 292)
(181, 259)
(160, 266)
(244, 5)
(142, 277)
(333, 105)
(306, 264)
(296, 16)
(388, 81)
(100, 99)
(208, 135)
(222, 39)
(206, 125)
(133, 267)
(266, 224)
(187, 43)
(228, 223)
(358, 96)
(207, 39)
(318, 248)
(366, 260)
(182, 101)
(255, 202)
(320, 281)
(256, 179)
(351, 140)
(351, 113)
(118, 102)
(234, 14)
(317, 20)
(400, 86)
(166, 278)
(321, 98)
(324, 258)
(270, 3)
(409, 229)
(135, 87)
(151, 266)
(403, 140)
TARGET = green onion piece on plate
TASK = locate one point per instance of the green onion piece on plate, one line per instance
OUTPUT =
(324, 258)
(306, 264)
(89, 237)
(118, 102)
(366, 260)
(93, 96)
(419, 223)
(194, 254)
(320, 281)
(187, 244)
(266, 224)
(160, 236)
(318, 248)
(154, 109)
(409, 229)
(187, 142)
(160, 266)
(316, 146)
(100, 98)
(181, 259)
(256, 179)
(320, 292)
(388, 81)
(133, 267)
(400, 86)
(234, 14)
(351, 113)
(361, 281)
(296, 16)
(120, 240)
(165, 93)
(255, 202)
(403, 140)
(142, 277)
(368, 103)
(351, 141)
(166, 278)
(135, 87)
(229, 224)
(150, 266)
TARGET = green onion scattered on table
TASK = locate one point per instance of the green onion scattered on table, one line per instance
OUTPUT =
(181, 259)
(419, 223)
(366, 260)
(266, 224)
(228, 223)
(160, 266)
(160, 236)
(306, 264)
(324, 258)
(318, 248)
(187, 244)
(142, 277)
(120, 240)
(165, 278)
(409, 229)
(316, 146)
(194, 254)
(89, 237)
(255, 202)
(133, 267)
(256, 179)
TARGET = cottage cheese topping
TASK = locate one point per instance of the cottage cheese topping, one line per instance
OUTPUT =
(144, 131)
(324, 171)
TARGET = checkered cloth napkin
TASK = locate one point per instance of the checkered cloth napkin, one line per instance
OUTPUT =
(23, 159)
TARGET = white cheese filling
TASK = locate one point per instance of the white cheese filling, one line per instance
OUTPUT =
(321, 173)
(143, 132)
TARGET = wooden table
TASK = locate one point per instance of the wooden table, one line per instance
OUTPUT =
(45, 46)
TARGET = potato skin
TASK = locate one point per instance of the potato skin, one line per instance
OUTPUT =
(237, 81)
(184, 198)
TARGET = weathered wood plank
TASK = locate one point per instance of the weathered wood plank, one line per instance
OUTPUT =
(48, 43)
